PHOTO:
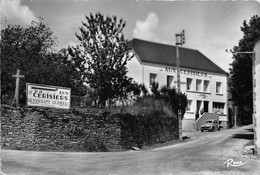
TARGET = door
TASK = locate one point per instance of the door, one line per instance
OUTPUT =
(199, 105)
(206, 106)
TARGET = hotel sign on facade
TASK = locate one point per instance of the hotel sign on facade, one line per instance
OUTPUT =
(48, 96)
(187, 71)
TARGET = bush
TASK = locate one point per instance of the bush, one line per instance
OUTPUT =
(145, 106)
(140, 130)
(149, 120)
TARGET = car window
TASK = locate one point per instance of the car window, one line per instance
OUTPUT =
(208, 121)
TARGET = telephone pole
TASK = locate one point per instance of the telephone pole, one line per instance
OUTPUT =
(180, 40)
(5, 21)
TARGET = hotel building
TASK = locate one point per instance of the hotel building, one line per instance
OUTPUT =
(204, 83)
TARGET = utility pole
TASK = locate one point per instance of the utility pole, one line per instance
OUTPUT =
(5, 22)
(235, 115)
(180, 36)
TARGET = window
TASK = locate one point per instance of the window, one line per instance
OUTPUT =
(153, 78)
(218, 88)
(189, 84)
(218, 107)
(170, 81)
(206, 86)
(198, 85)
(189, 105)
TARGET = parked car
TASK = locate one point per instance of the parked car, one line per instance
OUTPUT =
(210, 125)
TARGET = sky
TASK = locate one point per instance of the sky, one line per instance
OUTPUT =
(210, 26)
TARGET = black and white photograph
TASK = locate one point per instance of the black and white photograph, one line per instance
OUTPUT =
(130, 87)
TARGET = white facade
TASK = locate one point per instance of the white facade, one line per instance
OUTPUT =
(256, 92)
(206, 91)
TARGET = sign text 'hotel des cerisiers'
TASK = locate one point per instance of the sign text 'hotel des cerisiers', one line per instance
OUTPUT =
(187, 71)
(48, 96)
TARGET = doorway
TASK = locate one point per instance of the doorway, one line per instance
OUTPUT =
(206, 106)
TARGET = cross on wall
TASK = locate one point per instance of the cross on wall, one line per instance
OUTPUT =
(16, 95)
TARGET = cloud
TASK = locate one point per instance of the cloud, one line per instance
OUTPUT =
(13, 9)
(146, 29)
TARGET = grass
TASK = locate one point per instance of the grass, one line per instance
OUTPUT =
(144, 106)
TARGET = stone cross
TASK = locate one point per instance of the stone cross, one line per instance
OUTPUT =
(16, 96)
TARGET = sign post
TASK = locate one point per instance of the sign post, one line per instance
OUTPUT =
(16, 95)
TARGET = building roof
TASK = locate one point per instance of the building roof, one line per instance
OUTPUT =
(163, 54)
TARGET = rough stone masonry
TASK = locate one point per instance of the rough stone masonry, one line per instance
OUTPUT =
(47, 129)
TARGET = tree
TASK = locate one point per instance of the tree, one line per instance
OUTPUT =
(175, 99)
(169, 96)
(101, 57)
(241, 71)
(31, 50)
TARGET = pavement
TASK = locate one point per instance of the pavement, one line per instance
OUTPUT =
(219, 152)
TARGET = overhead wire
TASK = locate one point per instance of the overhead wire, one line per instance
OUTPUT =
(214, 19)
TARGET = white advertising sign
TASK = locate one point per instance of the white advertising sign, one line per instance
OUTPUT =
(48, 96)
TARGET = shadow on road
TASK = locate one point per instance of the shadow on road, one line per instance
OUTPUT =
(250, 130)
(185, 137)
(249, 134)
(243, 136)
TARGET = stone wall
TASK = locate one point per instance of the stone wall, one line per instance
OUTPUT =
(140, 130)
(53, 129)
(45, 129)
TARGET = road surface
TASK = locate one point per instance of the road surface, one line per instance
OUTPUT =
(204, 153)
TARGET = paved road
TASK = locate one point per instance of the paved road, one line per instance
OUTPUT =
(203, 153)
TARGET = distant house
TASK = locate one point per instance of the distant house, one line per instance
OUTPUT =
(203, 81)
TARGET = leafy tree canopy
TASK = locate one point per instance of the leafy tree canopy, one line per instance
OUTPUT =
(241, 70)
(101, 56)
(31, 50)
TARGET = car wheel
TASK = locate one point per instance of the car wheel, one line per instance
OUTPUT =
(201, 130)
(213, 129)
